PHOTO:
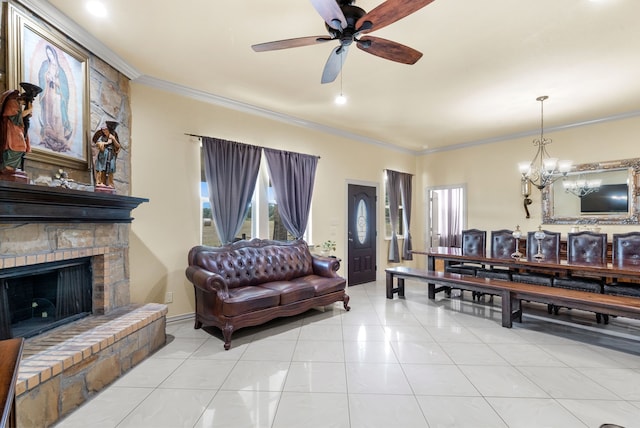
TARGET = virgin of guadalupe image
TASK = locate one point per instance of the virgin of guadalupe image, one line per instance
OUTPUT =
(55, 128)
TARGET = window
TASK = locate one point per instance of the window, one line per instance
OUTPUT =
(262, 221)
(209, 232)
(446, 216)
(387, 219)
(277, 230)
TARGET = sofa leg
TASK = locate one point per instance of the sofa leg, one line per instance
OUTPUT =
(227, 331)
(345, 302)
(198, 324)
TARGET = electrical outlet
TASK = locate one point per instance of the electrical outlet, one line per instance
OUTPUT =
(168, 298)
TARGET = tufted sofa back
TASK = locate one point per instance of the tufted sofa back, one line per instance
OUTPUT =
(254, 262)
(587, 247)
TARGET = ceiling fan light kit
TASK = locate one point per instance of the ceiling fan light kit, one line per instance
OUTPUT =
(346, 23)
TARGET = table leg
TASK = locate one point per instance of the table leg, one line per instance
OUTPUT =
(431, 265)
(389, 285)
(507, 309)
(400, 287)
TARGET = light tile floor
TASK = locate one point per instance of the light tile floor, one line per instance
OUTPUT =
(387, 363)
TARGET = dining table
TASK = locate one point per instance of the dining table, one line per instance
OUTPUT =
(555, 266)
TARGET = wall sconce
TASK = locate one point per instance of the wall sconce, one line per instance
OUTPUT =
(525, 188)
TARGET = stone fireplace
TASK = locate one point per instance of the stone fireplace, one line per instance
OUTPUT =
(42, 226)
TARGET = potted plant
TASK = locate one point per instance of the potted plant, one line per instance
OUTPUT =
(327, 247)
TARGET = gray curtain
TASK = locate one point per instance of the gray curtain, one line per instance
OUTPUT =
(292, 176)
(405, 193)
(393, 193)
(231, 170)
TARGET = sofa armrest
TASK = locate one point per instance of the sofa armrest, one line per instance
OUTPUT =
(207, 281)
(325, 266)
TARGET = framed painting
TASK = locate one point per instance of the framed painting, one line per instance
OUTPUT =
(59, 125)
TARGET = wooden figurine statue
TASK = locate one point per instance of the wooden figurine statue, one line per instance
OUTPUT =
(14, 137)
(106, 139)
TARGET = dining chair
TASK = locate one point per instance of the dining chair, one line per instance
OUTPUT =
(585, 248)
(626, 254)
(549, 249)
(503, 245)
(473, 244)
(542, 250)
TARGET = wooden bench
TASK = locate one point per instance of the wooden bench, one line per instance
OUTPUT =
(512, 293)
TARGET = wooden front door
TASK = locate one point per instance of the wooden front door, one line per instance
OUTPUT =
(361, 256)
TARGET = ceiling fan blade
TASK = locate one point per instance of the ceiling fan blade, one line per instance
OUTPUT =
(387, 49)
(290, 43)
(334, 64)
(389, 12)
(330, 11)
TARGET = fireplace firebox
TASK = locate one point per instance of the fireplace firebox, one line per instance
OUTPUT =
(39, 297)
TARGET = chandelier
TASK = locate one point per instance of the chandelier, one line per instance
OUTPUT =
(581, 187)
(543, 170)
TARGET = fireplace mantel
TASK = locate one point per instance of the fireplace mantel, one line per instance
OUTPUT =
(20, 203)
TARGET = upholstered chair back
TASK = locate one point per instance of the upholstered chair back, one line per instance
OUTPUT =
(626, 249)
(549, 245)
(474, 242)
(503, 244)
(587, 247)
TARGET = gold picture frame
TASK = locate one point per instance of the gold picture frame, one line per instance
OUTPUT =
(60, 123)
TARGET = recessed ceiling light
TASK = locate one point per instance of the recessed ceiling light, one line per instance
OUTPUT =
(97, 8)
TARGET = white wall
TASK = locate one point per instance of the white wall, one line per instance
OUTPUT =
(166, 169)
(491, 174)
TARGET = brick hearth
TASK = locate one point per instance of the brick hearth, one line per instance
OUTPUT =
(62, 368)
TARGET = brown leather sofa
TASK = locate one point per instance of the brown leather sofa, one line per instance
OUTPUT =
(248, 283)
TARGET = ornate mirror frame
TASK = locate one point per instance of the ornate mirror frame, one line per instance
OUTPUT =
(633, 182)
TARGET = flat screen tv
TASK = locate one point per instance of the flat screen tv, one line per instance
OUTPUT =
(611, 198)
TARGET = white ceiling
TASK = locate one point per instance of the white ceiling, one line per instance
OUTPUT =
(484, 64)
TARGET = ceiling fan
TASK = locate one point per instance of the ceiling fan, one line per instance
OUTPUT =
(346, 23)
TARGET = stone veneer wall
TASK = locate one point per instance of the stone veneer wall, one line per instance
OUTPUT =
(64, 367)
(107, 244)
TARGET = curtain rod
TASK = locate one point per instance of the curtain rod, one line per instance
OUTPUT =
(204, 136)
(387, 169)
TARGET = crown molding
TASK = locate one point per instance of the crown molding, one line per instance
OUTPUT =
(259, 111)
(70, 28)
(468, 144)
